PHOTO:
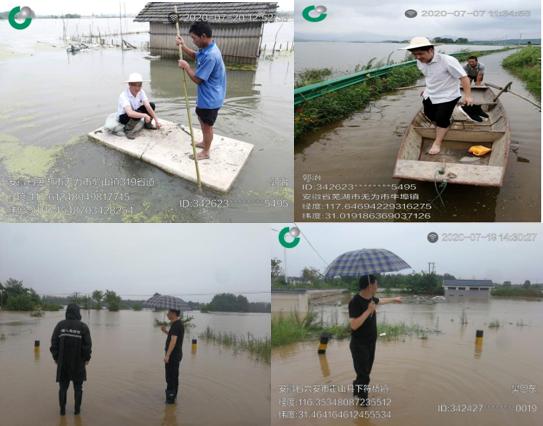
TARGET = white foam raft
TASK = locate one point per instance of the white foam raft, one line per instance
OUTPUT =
(169, 147)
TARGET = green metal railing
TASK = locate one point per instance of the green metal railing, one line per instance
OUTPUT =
(316, 90)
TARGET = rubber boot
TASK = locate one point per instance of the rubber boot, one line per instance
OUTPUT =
(62, 400)
(363, 398)
(78, 397)
(170, 398)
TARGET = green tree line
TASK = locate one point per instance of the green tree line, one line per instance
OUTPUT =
(228, 302)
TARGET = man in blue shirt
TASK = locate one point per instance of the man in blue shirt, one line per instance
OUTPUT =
(209, 75)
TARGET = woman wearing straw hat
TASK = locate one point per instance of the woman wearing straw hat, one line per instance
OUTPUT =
(134, 105)
(442, 74)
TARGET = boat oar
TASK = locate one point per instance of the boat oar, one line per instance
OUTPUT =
(507, 88)
(187, 104)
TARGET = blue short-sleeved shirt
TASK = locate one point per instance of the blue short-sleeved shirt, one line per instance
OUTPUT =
(210, 68)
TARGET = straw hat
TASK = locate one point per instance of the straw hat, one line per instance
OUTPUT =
(135, 77)
(417, 42)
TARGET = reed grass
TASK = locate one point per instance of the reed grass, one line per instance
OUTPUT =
(259, 348)
(294, 327)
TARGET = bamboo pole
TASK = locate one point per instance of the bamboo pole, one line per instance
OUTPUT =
(187, 105)
(121, 25)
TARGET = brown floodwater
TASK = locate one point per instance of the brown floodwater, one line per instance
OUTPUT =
(420, 374)
(126, 373)
(362, 150)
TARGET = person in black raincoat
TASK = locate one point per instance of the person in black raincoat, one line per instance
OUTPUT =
(71, 347)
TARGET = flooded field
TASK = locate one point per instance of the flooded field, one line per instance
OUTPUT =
(51, 171)
(126, 373)
(420, 374)
(362, 150)
(313, 54)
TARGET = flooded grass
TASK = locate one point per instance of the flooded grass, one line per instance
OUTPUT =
(258, 348)
(494, 324)
(295, 328)
(395, 331)
(526, 64)
(339, 105)
(311, 76)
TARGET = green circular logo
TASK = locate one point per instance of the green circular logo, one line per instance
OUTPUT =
(287, 231)
(321, 13)
(25, 13)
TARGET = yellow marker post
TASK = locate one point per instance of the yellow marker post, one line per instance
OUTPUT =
(323, 344)
(478, 343)
(325, 368)
(36, 350)
(187, 104)
(194, 345)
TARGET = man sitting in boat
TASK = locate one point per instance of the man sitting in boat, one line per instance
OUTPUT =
(209, 75)
(443, 74)
(475, 70)
(134, 109)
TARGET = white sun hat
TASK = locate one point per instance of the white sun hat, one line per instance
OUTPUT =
(417, 42)
(135, 77)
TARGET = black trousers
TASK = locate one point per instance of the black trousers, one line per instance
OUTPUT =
(63, 391)
(363, 355)
(124, 118)
(439, 113)
(172, 377)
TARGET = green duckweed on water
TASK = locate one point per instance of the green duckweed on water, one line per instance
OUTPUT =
(27, 160)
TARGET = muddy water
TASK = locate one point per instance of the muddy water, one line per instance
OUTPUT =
(420, 374)
(362, 150)
(55, 99)
(126, 374)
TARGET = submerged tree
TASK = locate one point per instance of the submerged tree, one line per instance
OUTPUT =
(97, 297)
(112, 300)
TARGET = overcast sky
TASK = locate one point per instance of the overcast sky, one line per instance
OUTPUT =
(136, 259)
(499, 262)
(376, 20)
(57, 7)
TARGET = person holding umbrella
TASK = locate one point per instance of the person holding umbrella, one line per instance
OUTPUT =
(363, 264)
(363, 320)
(174, 353)
(71, 347)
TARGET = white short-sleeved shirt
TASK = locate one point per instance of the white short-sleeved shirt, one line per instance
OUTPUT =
(442, 74)
(126, 98)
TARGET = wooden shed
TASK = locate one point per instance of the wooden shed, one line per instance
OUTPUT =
(237, 27)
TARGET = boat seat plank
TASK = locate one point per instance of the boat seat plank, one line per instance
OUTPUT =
(481, 175)
(471, 136)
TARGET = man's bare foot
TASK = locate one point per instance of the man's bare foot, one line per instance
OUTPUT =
(435, 148)
(202, 155)
(199, 145)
